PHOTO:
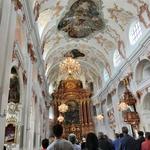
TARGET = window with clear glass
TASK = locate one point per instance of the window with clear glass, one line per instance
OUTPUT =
(117, 59)
(106, 75)
(135, 32)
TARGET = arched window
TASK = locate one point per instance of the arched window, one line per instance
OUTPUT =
(135, 32)
(106, 75)
(117, 59)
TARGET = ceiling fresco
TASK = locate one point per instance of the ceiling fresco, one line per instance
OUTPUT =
(89, 30)
(82, 19)
(75, 53)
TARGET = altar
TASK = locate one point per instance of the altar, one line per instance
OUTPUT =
(78, 118)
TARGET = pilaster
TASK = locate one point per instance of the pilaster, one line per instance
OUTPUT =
(7, 30)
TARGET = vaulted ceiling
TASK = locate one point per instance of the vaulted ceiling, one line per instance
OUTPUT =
(95, 27)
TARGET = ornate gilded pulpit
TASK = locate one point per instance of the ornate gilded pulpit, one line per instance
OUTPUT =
(78, 117)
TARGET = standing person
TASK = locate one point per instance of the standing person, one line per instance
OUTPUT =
(146, 143)
(127, 142)
(83, 143)
(116, 142)
(51, 139)
(45, 143)
(59, 143)
(92, 142)
(104, 144)
(72, 139)
(140, 140)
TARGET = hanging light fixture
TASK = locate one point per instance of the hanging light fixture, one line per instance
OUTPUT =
(69, 65)
(100, 117)
(123, 106)
(63, 108)
(60, 118)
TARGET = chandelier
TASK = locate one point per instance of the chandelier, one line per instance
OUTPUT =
(123, 106)
(100, 117)
(70, 66)
(60, 118)
(63, 108)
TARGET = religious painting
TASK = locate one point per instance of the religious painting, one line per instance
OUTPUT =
(83, 18)
(10, 133)
(72, 115)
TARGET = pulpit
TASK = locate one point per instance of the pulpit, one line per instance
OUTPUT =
(77, 119)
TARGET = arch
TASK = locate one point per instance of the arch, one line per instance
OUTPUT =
(142, 71)
(120, 89)
(146, 102)
(93, 69)
(106, 75)
(117, 59)
(15, 64)
(14, 87)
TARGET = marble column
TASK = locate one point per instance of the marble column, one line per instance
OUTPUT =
(7, 30)
(89, 112)
(81, 113)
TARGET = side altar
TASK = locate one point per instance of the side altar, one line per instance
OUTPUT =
(78, 117)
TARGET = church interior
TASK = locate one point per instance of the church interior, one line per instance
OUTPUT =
(84, 64)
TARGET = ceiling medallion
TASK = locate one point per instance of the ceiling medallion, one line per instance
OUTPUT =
(82, 19)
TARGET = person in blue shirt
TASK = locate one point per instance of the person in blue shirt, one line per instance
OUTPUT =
(127, 142)
(116, 142)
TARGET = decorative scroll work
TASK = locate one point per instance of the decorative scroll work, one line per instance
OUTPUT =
(121, 16)
(144, 15)
(116, 37)
(36, 10)
(31, 52)
(18, 4)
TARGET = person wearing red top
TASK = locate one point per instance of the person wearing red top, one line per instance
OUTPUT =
(146, 143)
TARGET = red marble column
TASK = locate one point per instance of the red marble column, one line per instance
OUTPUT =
(89, 112)
(81, 113)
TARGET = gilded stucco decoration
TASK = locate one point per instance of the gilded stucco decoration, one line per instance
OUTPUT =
(82, 19)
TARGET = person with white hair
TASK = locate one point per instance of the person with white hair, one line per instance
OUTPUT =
(72, 139)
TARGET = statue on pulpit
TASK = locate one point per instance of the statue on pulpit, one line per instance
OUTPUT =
(72, 115)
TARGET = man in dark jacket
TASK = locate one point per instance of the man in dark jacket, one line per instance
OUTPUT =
(104, 143)
(127, 142)
(140, 140)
